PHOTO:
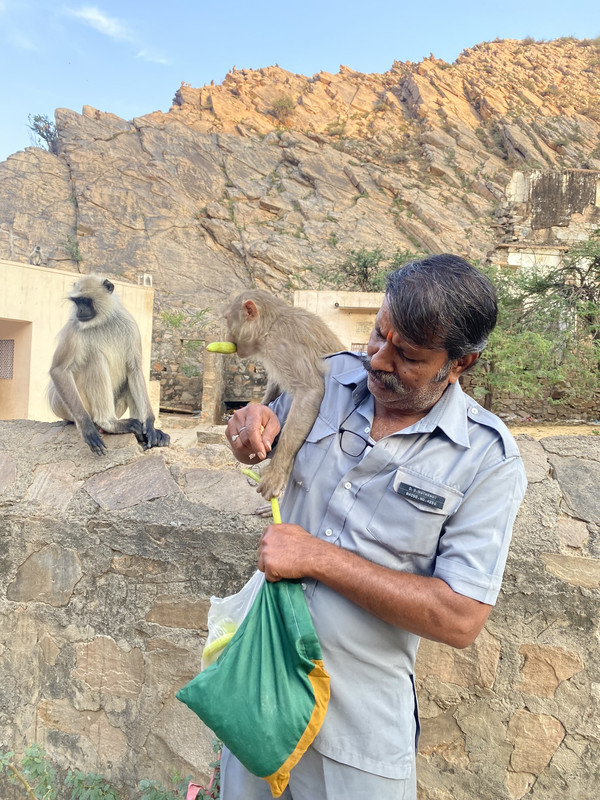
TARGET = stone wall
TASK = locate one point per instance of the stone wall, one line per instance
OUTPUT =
(107, 567)
(554, 407)
(106, 572)
(517, 714)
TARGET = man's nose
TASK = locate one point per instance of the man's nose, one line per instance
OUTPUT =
(383, 358)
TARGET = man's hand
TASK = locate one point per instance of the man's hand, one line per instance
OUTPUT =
(287, 551)
(251, 431)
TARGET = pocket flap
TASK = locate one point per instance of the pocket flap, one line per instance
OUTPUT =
(320, 430)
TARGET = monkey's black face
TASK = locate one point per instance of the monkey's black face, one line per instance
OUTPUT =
(84, 310)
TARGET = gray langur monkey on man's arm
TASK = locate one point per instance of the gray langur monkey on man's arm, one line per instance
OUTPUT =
(290, 342)
(96, 372)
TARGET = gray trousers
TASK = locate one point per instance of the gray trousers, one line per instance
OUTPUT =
(315, 777)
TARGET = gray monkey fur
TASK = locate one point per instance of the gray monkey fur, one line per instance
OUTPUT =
(290, 343)
(35, 257)
(96, 372)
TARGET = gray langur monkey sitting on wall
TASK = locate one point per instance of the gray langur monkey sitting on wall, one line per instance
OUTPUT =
(96, 372)
(35, 257)
(290, 342)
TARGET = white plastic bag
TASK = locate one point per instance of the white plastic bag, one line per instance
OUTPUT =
(225, 615)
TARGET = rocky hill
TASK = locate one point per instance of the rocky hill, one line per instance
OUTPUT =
(272, 178)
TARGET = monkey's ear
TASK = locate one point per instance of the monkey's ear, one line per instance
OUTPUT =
(250, 309)
(110, 287)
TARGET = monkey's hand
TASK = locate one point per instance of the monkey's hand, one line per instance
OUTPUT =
(130, 425)
(154, 437)
(92, 438)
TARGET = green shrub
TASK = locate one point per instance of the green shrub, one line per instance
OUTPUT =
(40, 781)
(45, 131)
(283, 107)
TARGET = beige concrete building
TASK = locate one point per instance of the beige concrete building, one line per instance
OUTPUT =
(349, 314)
(33, 309)
(546, 212)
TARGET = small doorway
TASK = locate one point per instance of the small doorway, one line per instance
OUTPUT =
(15, 365)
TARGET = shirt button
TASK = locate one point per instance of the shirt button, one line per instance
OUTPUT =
(328, 532)
(299, 483)
(347, 485)
(367, 430)
(474, 410)
(303, 587)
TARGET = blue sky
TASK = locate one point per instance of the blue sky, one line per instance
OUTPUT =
(129, 57)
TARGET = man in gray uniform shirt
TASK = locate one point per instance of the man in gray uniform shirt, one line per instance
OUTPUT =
(399, 513)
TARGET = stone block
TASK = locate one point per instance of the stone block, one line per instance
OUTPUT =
(546, 667)
(47, 576)
(108, 669)
(535, 738)
(134, 483)
(573, 569)
(180, 613)
(53, 485)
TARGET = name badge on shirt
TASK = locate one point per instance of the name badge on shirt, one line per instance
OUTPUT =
(421, 495)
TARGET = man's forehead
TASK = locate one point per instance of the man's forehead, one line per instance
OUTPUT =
(384, 320)
(384, 310)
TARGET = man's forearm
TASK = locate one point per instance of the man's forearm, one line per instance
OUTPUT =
(422, 605)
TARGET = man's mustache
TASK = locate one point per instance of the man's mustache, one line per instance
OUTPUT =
(386, 379)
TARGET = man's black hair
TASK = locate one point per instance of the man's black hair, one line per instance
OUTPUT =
(444, 303)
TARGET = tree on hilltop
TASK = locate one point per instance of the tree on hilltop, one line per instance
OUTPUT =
(44, 131)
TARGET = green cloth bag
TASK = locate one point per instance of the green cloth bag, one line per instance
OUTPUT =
(266, 695)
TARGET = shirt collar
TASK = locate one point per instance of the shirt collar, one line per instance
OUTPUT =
(356, 380)
(448, 414)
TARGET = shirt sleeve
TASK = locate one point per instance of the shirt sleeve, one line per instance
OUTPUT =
(281, 406)
(473, 547)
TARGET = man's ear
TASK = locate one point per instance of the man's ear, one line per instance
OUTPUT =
(462, 365)
(250, 309)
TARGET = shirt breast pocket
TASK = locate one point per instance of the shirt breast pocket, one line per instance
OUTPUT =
(310, 456)
(411, 514)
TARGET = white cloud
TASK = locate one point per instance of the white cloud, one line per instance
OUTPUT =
(154, 58)
(96, 19)
(21, 41)
(112, 27)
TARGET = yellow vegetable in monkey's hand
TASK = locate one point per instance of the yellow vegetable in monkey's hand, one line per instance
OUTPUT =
(221, 347)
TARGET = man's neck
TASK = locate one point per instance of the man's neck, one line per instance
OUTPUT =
(387, 421)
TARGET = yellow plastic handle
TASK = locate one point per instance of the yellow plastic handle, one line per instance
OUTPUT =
(222, 347)
(274, 501)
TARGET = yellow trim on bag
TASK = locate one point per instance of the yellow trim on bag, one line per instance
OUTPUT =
(319, 680)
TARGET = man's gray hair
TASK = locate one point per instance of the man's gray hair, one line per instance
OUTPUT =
(444, 303)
